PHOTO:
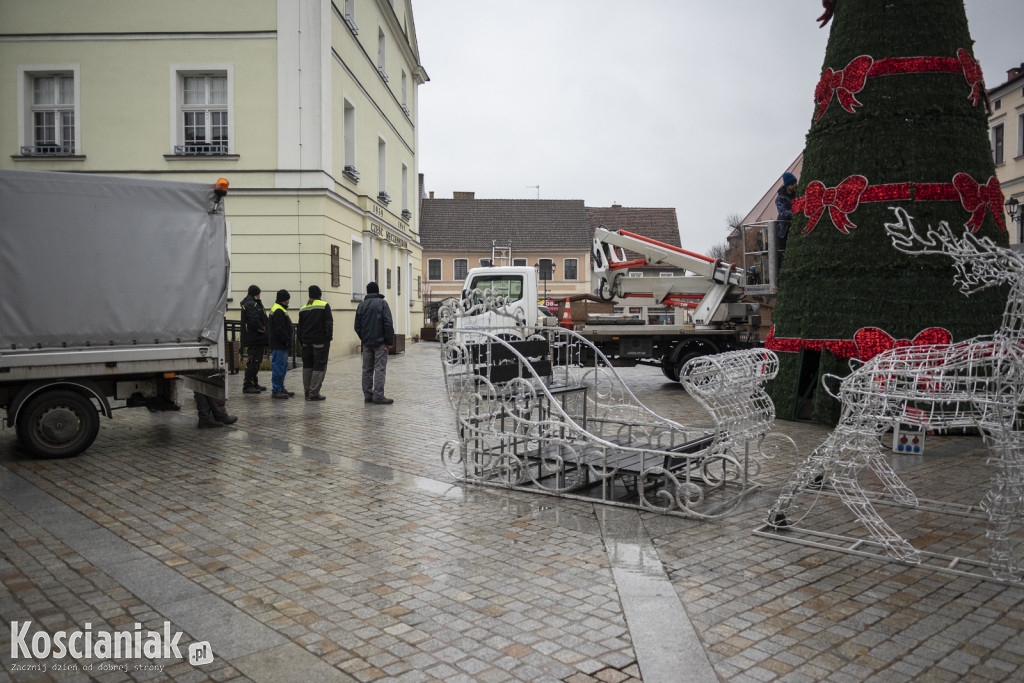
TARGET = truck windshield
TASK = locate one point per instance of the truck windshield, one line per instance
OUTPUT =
(502, 285)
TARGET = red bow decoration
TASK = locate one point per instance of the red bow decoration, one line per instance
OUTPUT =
(872, 341)
(972, 72)
(843, 83)
(976, 198)
(840, 200)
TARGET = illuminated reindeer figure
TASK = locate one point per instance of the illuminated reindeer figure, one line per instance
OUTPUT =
(977, 382)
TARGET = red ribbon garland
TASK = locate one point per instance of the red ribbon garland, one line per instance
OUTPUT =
(850, 80)
(844, 198)
(867, 343)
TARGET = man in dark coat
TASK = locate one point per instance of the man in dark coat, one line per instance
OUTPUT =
(784, 205)
(254, 338)
(376, 331)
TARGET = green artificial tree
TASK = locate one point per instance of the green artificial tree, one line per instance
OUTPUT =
(900, 119)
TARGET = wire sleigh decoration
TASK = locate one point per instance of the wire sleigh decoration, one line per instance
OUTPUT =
(978, 382)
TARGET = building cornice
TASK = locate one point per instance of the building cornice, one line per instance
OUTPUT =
(162, 35)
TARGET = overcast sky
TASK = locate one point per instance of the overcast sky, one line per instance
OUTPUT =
(696, 105)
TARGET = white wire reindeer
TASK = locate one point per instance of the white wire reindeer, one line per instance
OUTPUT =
(977, 382)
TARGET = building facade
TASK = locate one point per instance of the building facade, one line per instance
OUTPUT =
(1006, 133)
(465, 232)
(308, 108)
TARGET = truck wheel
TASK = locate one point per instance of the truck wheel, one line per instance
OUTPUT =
(668, 368)
(58, 424)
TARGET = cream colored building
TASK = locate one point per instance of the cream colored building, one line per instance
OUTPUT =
(308, 108)
(1006, 133)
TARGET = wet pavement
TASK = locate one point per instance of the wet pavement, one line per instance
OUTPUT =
(325, 542)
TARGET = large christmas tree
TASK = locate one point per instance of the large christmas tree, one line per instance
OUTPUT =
(900, 119)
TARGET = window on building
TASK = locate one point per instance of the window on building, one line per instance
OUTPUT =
(666, 274)
(569, 269)
(518, 262)
(350, 16)
(376, 271)
(387, 274)
(997, 143)
(997, 105)
(1020, 135)
(405, 90)
(485, 262)
(335, 266)
(398, 279)
(52, 105)
(636, 273)
(545, 269)
(405, 192)
(349, 125)
(382, 171)
(381, 50)
(204, 115)
(434, 269)
(357, 269)
(419, 287)
(461, 269)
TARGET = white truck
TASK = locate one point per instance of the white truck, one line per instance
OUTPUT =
(114, 291)
(721, 321)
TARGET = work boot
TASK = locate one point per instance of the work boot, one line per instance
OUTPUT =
(250, 390)
(279, 394)
(316, 397)
(261, 387)
(383, 401)
(227, 419)
(207, 422)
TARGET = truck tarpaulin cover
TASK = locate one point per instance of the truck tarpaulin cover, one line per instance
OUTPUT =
(97, 259)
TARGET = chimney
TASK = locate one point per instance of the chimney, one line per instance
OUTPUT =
(463, 195)
(1014, 72)
(431, 194)
(616, 205)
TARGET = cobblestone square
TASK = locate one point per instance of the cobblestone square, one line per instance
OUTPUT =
(324, 541)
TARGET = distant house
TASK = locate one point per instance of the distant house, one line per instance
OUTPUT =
(1006, 132)
(464, 232)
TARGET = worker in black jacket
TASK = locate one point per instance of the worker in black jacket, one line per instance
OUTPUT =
(254, 338)
(316, 330)
(376, 330)
(280, 344)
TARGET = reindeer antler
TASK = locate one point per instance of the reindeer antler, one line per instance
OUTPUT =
(979, 261)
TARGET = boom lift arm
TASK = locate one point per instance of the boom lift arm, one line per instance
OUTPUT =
(715, 279)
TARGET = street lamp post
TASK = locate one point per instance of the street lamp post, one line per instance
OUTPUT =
(1016, 215)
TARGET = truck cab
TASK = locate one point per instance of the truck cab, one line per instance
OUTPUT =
(515, 287)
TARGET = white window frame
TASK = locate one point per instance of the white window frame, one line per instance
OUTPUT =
(382, 170)
(636, 273)
(455, 269)
(27, 75)
(178, 74)
(405, 190)
(440, 270)
(349, 132)
(1020, 134)
(382, 51)
(565, 269)
(357, 269)
(998, 141)
(663, 273)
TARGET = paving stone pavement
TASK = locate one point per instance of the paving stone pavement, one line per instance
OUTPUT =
(325, 542)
